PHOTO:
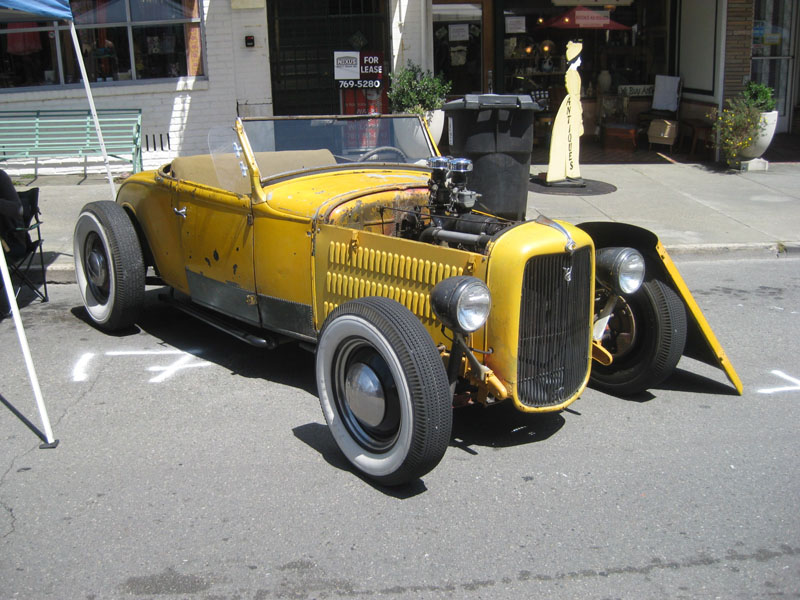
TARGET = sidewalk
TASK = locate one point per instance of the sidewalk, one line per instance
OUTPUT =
(691, 208)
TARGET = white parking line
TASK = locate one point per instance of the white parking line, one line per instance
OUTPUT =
(782, 375)
(80, 372)
(170, 370)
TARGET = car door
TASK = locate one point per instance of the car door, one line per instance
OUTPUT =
(216, 232)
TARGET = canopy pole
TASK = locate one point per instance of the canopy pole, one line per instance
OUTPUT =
(23, 342)
(77, 44)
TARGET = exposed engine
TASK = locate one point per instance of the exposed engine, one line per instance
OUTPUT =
(448, 218)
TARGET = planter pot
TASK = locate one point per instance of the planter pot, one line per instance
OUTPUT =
(435, 121)
(762, 142)
(411, 138)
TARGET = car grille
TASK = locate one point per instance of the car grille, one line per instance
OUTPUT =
(555, 325)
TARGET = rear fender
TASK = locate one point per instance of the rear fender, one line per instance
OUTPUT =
(701, 343)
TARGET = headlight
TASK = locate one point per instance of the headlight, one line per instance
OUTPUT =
(461, 303)
(621, 269)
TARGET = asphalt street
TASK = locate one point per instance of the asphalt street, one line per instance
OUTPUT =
(193, 466)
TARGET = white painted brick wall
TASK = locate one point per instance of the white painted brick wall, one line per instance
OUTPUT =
(186, 109)
(410, 27)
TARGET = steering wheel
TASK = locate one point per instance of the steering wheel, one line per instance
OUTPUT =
(380, 149)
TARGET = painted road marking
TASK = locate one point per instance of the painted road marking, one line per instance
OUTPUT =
(184, 361)
(79, 371)
(782, 375)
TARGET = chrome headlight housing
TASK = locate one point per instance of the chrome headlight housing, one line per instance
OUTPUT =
(461, 303)
(621, 269)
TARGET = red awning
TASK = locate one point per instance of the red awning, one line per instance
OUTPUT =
(583, 18)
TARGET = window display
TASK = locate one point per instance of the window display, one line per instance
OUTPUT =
(622, 45)
(161, 39)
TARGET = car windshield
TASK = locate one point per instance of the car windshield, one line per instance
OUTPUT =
(347, 139)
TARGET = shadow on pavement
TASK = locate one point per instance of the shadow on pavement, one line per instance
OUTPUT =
(288, 364)
(500, 426)
(318, 437)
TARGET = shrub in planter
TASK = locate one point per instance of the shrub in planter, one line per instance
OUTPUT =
(416, 91)
(744, 129)
(759, 96)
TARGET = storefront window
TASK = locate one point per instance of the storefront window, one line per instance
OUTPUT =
(92, 12)
(162, 39)
(105, 55)
(162, 10)
(162, 51)
(772, 48)
(27, 55)
(628, 45)
(457, 49)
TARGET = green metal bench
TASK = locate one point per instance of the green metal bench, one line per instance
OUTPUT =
(53, 133)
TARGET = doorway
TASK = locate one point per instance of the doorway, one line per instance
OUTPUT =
(304, 34)
(774, 47)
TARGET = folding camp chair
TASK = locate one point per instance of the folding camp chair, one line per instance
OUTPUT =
(21, 249)
(666, 101)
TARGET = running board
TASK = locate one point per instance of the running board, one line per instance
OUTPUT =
(269, 342)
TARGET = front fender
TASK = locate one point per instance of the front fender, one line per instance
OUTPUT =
(701, 343)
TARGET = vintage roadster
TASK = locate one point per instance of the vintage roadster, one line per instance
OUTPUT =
(353, 236)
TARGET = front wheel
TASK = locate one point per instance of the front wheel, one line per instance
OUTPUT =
(109, 267)
(383, 390)
(646, 336)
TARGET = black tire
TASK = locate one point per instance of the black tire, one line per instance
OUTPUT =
(399, 430)
(646, 336)
(108, 265)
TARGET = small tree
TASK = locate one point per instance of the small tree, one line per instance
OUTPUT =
(416, 91)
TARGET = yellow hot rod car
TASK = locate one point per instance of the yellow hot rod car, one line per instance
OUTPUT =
(354, 235)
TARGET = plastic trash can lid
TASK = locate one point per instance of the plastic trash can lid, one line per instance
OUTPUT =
(489, 101)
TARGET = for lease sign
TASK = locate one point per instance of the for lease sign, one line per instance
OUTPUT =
(358, 69)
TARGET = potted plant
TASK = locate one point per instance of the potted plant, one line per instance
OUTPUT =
(420, 93)
(745, 128)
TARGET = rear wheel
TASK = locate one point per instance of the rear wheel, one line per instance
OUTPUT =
(646, 336)
(108, 265)
(383, 390)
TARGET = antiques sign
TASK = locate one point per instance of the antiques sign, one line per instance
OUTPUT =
(358, 70)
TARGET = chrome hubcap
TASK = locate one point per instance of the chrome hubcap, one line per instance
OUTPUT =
(96, 268)
(365, 395)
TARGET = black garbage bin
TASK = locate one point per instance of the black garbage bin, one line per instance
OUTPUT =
(496, 133)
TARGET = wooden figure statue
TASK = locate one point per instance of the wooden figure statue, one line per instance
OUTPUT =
(564, 168)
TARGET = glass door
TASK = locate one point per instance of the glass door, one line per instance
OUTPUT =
(458, 45)
(774, 44)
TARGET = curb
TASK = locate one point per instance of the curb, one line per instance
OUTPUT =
(778, 249)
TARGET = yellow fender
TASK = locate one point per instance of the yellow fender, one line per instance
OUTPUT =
(701, 343)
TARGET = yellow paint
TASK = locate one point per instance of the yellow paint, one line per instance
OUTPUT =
(567, 131)
(383, 266)
(508, 257)
(152, 202)
(695, 312)
(216, 238)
